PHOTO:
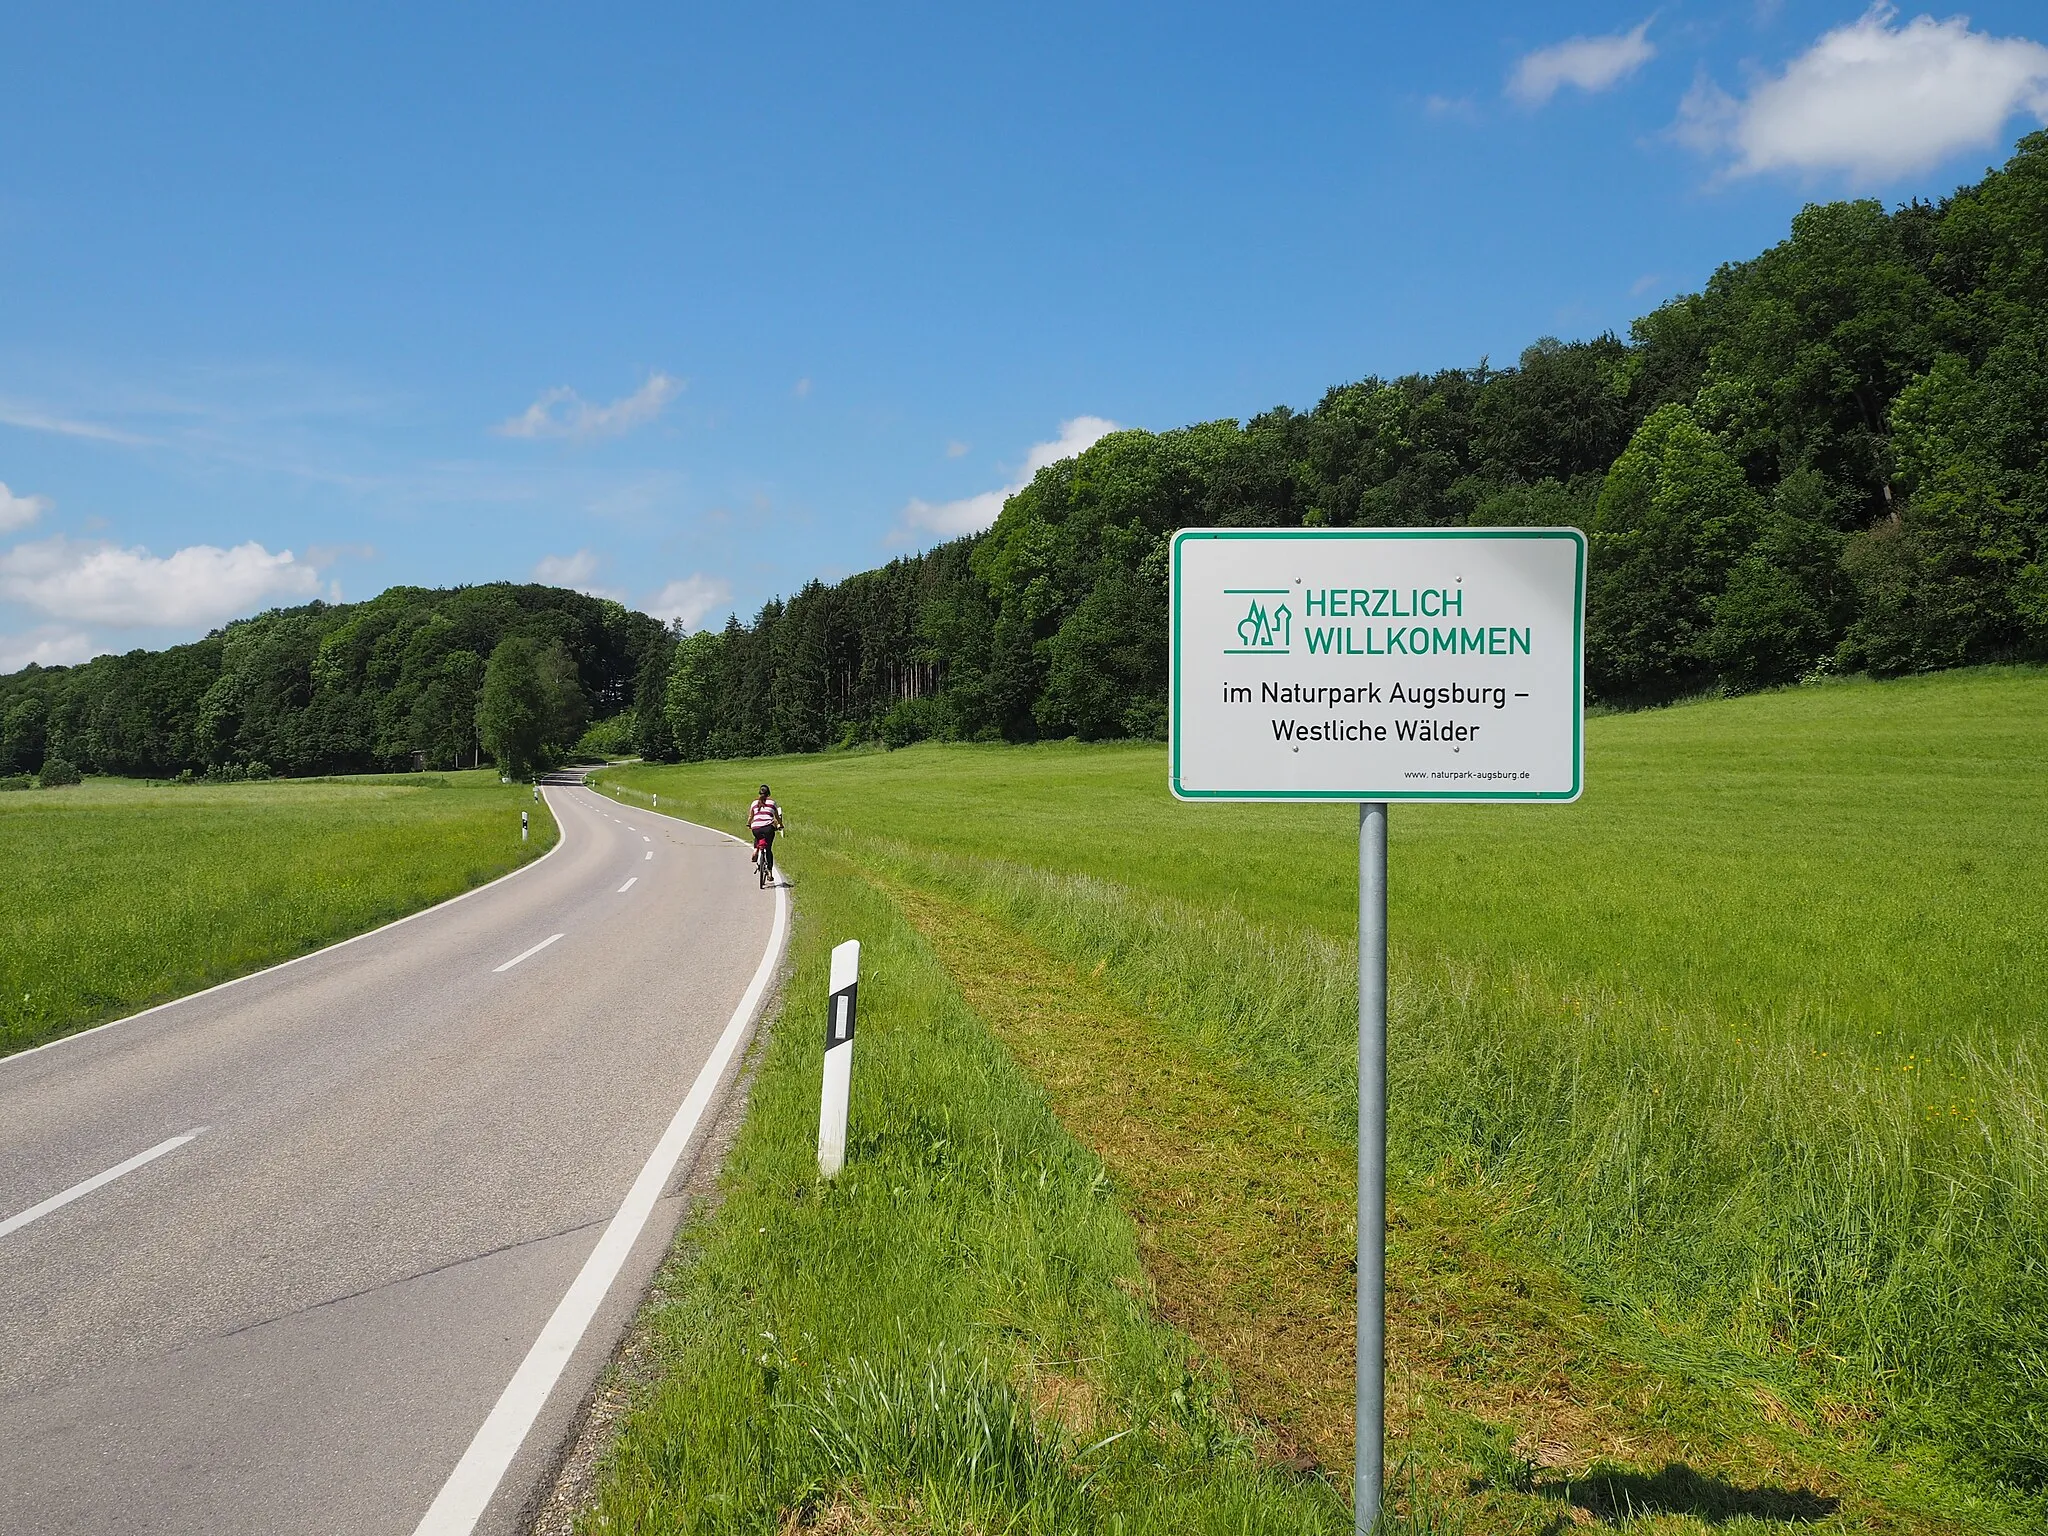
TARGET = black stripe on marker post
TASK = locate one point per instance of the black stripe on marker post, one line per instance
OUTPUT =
(840, 1011)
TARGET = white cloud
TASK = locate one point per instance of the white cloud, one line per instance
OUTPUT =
(956, 449)
(564, 413)
(950, 519)
(46, 646)
(1873, 100)
(971, 514)
(102, 583)
(1590, 63)
(690, 599)
(1076, 436)
(19, 511)
(30, 419)
(578, 572)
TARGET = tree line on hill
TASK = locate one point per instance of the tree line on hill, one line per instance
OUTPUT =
(411, 678)
(1833, 458)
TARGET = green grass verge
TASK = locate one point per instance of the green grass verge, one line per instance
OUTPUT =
(122, 894)
(954, 1336)
(1745, 1040)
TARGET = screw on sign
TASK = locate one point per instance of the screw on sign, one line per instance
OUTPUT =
(1374, 665)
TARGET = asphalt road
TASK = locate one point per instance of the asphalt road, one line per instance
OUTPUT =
(300, 1319)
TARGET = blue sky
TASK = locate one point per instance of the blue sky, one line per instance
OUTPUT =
(688, 306)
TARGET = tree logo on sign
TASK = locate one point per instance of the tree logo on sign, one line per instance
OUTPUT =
(1263, 630)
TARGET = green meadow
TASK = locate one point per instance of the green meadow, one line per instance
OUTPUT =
(122, 894)
(1741, 1048)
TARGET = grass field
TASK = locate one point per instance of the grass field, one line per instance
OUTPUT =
(954, 1336)
(123, 894)
(1742, 1049)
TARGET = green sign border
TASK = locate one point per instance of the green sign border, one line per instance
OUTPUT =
(1403, 534)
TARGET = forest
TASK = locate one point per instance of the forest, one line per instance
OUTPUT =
(412, 678)
(1831, 460)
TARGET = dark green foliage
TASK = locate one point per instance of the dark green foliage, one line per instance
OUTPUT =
(652, 738)
(23, 727)
(58, 774)
(615, 737)
(387, 684)
(1674, 517)
(1832, 458)
(908, 643)
(532, 709)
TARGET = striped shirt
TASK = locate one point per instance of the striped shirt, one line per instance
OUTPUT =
(763, 814)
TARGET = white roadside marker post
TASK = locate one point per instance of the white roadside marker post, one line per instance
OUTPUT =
(1344, 664)
(839, 1017)
(522, 826)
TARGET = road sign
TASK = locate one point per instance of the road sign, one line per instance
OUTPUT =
(1377, 663)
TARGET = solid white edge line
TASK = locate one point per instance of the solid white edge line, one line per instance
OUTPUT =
(468, 1491)
(629, 885)
(561, 839)
(64, 1198)
(525, 954)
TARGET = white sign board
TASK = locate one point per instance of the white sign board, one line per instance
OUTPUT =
(1377, 663)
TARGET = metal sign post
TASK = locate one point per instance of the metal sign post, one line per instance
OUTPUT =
(1372, 665)
(1369, 1473)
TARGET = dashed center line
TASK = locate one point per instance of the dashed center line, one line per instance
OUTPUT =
(99, 1180)
(527, 955)
(629, 885)
(650, 853)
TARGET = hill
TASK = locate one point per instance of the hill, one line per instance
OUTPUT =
(393, 683)
(1830, 460)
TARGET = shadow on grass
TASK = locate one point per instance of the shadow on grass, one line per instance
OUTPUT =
(1613, 1496)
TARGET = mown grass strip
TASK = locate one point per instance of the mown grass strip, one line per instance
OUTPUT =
(1523, 1400)
(955, 1336)
(122, 895)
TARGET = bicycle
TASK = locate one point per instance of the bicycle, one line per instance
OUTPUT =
(764, 859)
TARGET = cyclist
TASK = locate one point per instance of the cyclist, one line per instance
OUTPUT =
(764, 820)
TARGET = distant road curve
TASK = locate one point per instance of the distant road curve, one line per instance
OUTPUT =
(342, 1246)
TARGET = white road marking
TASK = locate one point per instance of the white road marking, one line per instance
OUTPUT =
(467, 1493)
(527, 955)
(98, 1180)
(645, 839)
(629, 885)
(650, 853)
